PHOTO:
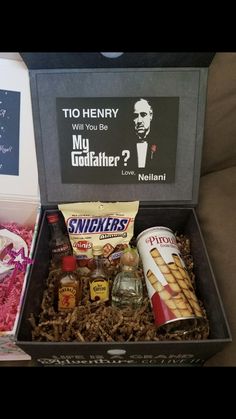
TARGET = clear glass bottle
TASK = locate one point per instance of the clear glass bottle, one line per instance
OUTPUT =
(59, 242)
(127, 290)
(69, 290)
(99, 283)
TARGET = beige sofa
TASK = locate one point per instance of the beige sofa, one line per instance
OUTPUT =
(217, 195)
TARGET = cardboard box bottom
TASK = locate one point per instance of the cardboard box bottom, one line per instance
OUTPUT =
(164, 353)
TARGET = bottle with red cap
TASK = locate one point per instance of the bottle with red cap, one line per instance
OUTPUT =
(59, 242)
(69, 291)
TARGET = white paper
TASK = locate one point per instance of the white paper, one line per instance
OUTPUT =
(14, 76)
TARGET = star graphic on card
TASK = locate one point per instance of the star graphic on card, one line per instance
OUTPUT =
(18, 259)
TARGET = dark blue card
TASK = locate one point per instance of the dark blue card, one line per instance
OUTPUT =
(9, 132)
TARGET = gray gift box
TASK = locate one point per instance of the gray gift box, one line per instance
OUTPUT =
(92, 78)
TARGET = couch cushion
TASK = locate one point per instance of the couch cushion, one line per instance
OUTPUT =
(217, 215)
(219, 148)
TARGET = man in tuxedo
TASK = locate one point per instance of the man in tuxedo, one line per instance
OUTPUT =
(142, 117)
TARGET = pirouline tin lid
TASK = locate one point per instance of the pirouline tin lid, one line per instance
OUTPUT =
(154, 228)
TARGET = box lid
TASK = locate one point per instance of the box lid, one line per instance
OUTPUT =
(18, 164)
(56, 60)
(86, 120)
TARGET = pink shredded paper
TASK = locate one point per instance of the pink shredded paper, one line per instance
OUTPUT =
(11, 287)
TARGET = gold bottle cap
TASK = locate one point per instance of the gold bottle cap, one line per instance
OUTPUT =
(97, 250)
(129, 257)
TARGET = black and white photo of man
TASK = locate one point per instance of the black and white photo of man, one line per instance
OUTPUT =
(143, 114)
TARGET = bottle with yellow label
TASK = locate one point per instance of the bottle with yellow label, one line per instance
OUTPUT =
(69, 287)
(99, 283)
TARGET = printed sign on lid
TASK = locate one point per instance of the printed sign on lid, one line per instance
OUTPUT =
(118, 140)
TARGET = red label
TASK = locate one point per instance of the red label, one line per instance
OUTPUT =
(83, 245)
(161, 311)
